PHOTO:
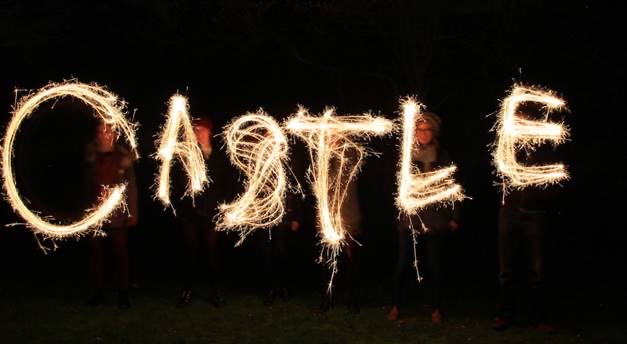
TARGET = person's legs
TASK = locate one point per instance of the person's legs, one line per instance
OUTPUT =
(434, 245)
(96, 271)
(281, 260)
(508, 241)
(119, 236)
(328, 296)
(403, 263)
(353, 263)
(189, 260)
(264, 242)
(211, 237)
(535, 237)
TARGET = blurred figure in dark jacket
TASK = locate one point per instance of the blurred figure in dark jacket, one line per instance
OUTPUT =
(196, 218)
(275, 246)
(109, 164)
(439, 220)
(524, 217)
(350, 258)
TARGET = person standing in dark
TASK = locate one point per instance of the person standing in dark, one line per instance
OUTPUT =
(440, 221)
(350, 259)
(275, 246)
(110, 164)
(200, 239)
(524, 218)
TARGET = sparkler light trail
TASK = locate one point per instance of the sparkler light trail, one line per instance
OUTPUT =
(329, 140)
(416, 190)
(187, 150)
(256, 145)
(110, 110)
(515, 132)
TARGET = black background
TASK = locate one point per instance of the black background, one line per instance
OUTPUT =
(459, 57)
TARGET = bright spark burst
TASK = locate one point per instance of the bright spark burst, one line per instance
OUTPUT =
(110, 110)
(187, 151)
(514, 133)
(329, 139)
(256, 145)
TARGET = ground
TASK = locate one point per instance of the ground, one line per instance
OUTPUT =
(39, 314)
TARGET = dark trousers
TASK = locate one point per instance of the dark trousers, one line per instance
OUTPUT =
(349, 270)
(352, 256)
(521, 234)
(118, 238)
(199, 235)
(432, 264)
(273, 248)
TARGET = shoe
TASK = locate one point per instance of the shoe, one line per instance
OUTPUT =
(326, 305)
(545, 328)
(393, 314)
(436, 317)
(215, 298)
(97, 299)
(283, 294)
(268, 298)
(123, 301)
(354, 307)
(501, 323)
(185, 299)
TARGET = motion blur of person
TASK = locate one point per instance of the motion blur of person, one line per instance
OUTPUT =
(428, 156)
(350, 260)
(111, 163)
(201, 250)
(524, 219)
(275, 247)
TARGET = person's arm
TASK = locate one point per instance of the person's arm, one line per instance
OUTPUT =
(127, 163)
(293, 209)
(131, 198)
(454, 223)
(445, 160)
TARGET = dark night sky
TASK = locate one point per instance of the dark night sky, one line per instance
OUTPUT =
(459, 57)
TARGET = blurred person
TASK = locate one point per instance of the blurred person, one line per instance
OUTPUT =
(201, 250)
(110, 163)
(428, 155)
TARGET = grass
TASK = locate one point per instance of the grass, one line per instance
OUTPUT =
(58, 315)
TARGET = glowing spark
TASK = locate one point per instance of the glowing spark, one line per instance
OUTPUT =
(417, 190)
(514, 132)
(258, 147)
(111, 111)
(329, 140)
(186, 150)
